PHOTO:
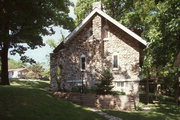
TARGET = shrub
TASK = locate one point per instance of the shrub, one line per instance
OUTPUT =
(165, 99)
(76, 89)
(105, 85)
(79, 89)
(118, 93)
(91, 90)
(139, 106)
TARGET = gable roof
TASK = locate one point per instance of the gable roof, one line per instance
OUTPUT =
(18, 69)
(100, 12)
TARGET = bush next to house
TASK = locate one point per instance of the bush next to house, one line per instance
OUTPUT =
(105, 85)
(118, 93)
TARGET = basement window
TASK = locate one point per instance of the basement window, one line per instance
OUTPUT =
(83, 62)
(121, 86)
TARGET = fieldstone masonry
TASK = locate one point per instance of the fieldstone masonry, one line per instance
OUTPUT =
(98, 52)
(116, 102)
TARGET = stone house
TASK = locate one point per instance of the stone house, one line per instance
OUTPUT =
(99, 42)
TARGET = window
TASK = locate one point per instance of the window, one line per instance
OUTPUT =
(89, 34)
(83, 62)
(19, 73)
(106, 32)
(115, 61)
(121, 86)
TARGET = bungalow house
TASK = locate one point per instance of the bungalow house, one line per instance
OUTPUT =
(17, 73)
(99, 42)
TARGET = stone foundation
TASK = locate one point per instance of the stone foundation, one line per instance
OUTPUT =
(115, 102)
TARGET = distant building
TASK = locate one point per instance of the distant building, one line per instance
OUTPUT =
(17, 73)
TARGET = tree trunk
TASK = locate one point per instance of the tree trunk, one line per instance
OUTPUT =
(5, 47)
(4, 65)
(147, 87)
(147, 90)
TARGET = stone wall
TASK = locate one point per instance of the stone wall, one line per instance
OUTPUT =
(116, 102)
(98, 54)
(128, 50)
(53, 72)
(83, 44)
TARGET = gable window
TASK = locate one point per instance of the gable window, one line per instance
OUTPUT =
(83, 63)
(106, 32)
(89, 34)
(115, 61)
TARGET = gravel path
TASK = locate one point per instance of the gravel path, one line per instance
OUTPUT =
(109, 117)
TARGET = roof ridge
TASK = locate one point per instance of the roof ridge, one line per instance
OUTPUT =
(112, 20)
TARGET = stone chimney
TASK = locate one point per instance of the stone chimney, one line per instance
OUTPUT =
(97, 5)
(97, 22)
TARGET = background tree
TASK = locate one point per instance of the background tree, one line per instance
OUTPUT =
(13, 64)
(82, 9)
(46, 74)
(53, 44)
(26, 21)
(35, 71)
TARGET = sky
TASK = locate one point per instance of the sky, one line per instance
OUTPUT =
(40, 54)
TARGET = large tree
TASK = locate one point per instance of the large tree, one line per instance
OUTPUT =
(26, 21)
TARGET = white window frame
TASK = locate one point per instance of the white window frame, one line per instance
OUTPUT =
(108, 35)
(119, 85)
(82, 56)
(115, 54)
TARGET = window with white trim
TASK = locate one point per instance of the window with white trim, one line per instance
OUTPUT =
(83, 62)
(121, 86)
(115, 61)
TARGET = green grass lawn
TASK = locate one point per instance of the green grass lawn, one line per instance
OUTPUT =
(27, 100)
(159, 112)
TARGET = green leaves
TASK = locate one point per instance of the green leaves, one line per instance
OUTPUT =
(26, 21)
(82, 9)
(13, 64)
(29, 20)
(105, 80)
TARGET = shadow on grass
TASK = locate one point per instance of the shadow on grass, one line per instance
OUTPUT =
(136, 115)
(17, 103)
(171, 110)
(26, 83)
(160, 112)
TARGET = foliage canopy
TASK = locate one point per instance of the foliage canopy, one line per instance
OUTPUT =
(26, 21)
